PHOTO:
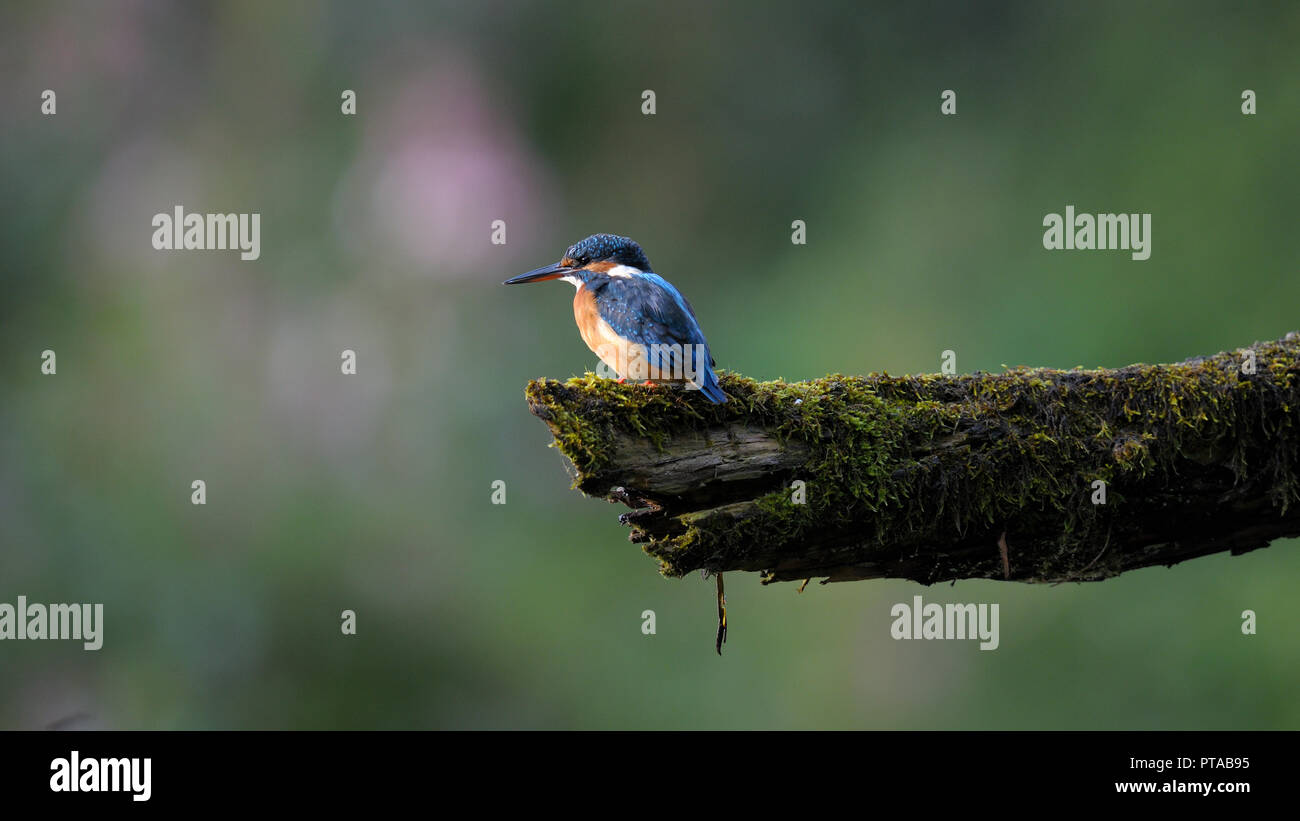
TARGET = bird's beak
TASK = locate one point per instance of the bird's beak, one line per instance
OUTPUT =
(542, 274)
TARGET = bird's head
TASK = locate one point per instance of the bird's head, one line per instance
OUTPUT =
(597, 254)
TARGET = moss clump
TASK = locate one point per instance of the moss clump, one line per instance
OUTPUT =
(899, 464)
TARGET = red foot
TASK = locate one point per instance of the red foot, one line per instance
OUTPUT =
(622, 379)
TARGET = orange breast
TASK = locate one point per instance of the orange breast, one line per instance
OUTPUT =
(596, 332)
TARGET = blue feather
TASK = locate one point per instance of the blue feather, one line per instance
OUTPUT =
(646, 309)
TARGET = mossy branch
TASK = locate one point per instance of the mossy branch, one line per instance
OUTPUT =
(922, 477)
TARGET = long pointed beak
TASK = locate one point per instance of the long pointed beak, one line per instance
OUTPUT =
(542, 274)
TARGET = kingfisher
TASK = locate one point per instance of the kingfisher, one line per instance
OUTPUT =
(632, 318)
(638, 324)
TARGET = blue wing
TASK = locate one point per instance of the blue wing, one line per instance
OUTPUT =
(646, 309)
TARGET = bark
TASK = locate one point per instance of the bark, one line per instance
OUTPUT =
(933, 478)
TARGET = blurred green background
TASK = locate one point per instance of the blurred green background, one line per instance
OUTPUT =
(373, 492)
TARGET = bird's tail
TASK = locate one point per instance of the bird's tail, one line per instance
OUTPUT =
(703, 377)
(709, 387)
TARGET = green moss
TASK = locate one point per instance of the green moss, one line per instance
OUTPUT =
(1027, 442)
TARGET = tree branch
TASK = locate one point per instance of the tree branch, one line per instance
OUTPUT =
(924, 477)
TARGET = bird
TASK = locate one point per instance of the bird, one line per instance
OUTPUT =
(632, 318)
(638, 324)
